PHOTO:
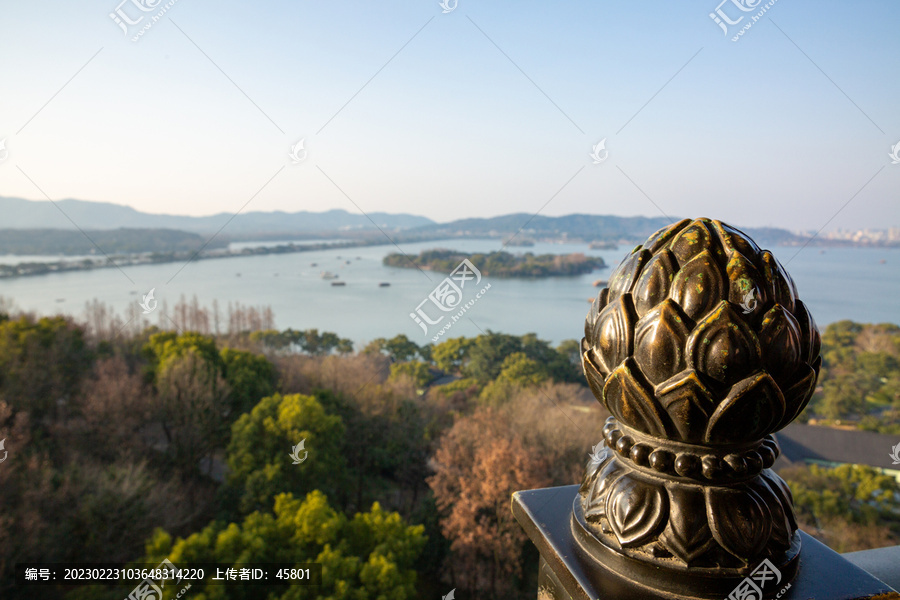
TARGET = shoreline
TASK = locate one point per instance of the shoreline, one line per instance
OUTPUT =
(32, 269)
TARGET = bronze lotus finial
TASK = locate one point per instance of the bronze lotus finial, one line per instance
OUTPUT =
(700, 349)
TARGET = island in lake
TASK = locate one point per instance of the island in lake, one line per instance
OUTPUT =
(500, 264)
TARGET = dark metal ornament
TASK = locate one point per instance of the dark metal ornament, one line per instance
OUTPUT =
(700, 349)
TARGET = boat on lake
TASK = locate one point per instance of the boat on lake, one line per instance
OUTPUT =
(338, 283)
(328, 275)
(384, 284)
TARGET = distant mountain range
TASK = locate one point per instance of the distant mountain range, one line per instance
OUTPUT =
(588, 227)
(578, 226)
(49, 242)
(16, 213)
(19, 214)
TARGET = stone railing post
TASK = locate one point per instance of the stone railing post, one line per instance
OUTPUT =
(700, 349)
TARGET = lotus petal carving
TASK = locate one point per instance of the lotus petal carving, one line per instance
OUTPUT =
(597, 305)
(653, 285)
(664, 235)
(687, 535)
(781, 286)
(738, 519)
(659, 340)
(781, 526)
(783, 492)
(745, 286)
(779, 334)
(594, 468)
(623, 278)
(734, 240)
(613, 335)
(689, 403)
(607, 476)
(690, 241)
(797, 396)
(810, 342)
(592, 372)
(723, 347)
(699, 286)
(630, 400)
(636, 510)
(749, 412)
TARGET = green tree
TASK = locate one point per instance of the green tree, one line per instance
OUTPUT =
(860, 376)
(271, 338)
(251, 377)
(418, 371)
(856, 493)
(384, 445)
(452, 355)
(842, 396)
(259, 454)
(41, 361)
(193, 406)
(367, 557)
(517, 371)
(168, 344)
(571, 349)
(399, 348)
(487, 354)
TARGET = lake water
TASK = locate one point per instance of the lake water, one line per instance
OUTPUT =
(836, 283)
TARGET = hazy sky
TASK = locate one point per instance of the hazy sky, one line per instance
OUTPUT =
(487, 109)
